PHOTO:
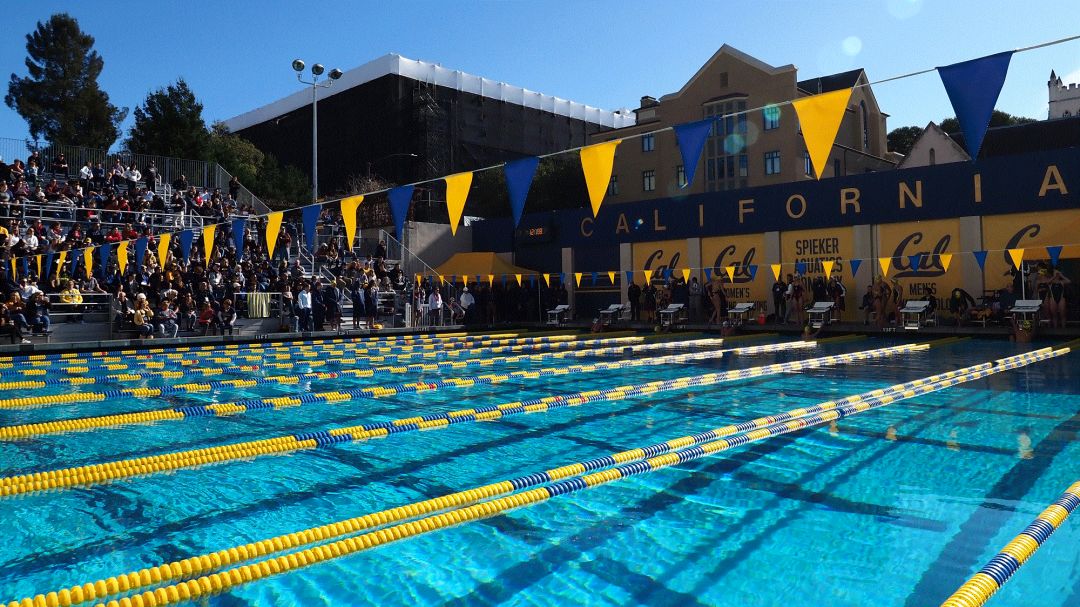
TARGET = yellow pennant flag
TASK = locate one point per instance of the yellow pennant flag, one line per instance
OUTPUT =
(596, 162)
(418, 279)
(122, 255)
(884, 263)
(273, 227)
(648, 276)
(40, 277)
(163, 249)
(491, 280)
(348, 216)
(775, 271)
(1017, 256)
(442, 279)
(465, 279)
(828, 266)
(577, 278)
(88, 261)
(730, 272)
(946, 261)
(208, 242)
(14, 274)
(518, 277)
(457, 191)
(686, 274)
(819, 118)
(547, 280)
(60, 262)
(611, 277)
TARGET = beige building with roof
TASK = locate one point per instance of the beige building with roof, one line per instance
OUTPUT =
(747, 148)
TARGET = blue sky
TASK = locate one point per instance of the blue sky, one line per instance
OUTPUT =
(236, 55)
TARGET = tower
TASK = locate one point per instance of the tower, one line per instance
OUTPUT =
(1064, 99)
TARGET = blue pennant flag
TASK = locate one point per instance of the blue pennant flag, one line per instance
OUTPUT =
(75, 257)
(800, 267)
(453, 279)
(753, 271)
(980, 256)
(629, 276)
(594, 279)
(1055, 253)
(48, 265)
(504, 281)
(186, 238)
(311, 219)
(104, 251)
(238, 237)
(519, 178)
(140, 250)
(562, 278)
(26, 266)
(915, 260)
(691, 137)
(532, 280)
(400, 198)
(855, 263)
(973, 87)
(667, 273)
(708, 274)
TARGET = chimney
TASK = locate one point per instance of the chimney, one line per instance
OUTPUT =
(647, 101)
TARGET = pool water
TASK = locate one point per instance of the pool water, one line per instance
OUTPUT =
(894, 506)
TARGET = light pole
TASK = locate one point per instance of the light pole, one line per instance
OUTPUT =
(316, 71)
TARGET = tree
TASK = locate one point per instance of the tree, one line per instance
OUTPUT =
(237, 155)
(902, 139)
(60, 98)
(998, 118)
(170, 123)
(281, 187)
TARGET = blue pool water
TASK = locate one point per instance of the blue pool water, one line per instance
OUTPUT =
(894, 506)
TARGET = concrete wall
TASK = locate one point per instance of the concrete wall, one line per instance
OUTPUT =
(433, 242)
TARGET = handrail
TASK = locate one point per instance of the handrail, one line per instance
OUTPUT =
(180, 219)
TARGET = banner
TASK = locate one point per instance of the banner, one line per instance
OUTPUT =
(914, 253)
(104, 253)
(973, 87)
(819, 119)
(238, 226)
(741, 252)
(659, 256)
(140, 250)
(400, 199)
(310, 219)
(60, 263)
(88, 261)
(854, 265)
(186, 238)
(596, 163)
(273, 228)
(208, 233)
(457, 192)
(348, 217)
(162, 248)
(1032, 232)
(49, 265)
(122, 256)
(691, 138)
(519, 177)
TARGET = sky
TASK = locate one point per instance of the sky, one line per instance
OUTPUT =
(236, 55)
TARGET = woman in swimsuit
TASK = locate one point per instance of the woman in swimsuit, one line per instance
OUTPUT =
(1056, 304)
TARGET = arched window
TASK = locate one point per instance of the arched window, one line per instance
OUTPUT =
(865, 126)
(933, 157)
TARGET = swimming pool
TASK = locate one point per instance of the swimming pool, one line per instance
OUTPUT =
(893, 506)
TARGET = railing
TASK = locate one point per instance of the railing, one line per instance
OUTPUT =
(95, 307)
(64, 214)
(199, 173)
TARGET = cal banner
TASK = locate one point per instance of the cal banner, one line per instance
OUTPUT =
(659, 256)
(815, 246)
(1032, 232)
(929, 240)
(741, 251)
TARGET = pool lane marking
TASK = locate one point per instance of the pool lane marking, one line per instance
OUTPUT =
(321, 360)
(657, 456)
(95, 474)
(980, 587)
(279, 402)
(370, 391)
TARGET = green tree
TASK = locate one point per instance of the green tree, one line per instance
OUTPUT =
(60, 98)
(170, 123)
(281, 187)
(237, 155)
(998, 118)
(902, 139)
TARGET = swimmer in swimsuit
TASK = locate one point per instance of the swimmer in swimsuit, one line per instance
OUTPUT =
(1057, 307)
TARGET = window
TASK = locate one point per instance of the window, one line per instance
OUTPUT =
(613, 186)
(726, 162)
(648, 143)
(933, 157)
(770, 115)
(723, 79)
(865, 126)
(808, 167)
(772, 162)
(648, 180)
(744, 168)
(680, 176)
(836, 167)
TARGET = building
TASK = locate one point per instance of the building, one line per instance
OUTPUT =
(1064, 99)
(760, 147)
(406, 120)
(935, 146)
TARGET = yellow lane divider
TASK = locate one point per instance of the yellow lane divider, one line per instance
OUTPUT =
(568, 480)
(104, 472)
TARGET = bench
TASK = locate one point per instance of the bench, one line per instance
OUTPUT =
(741, 312)
(673, 315)
(613, 314)
(820, 314)
(557, 315)
(916, 313)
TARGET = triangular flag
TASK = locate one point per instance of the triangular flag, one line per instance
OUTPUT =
(140, 250)
(547, 280)
(163, 249)
(491, 280)
(273, 228)
(519, 176)
(238, 226)
(38, 257)
(88, 261)
(980, 258)
(686, 274)
(752, 268)
(827, 265)
(611, 277)
(1054, 253)
(208, 233)
(14, 272)
(518, 278)
(667, 273)
(730, 273)
(453, 279)
(973, 87)
(819, 118)
(26, 266)
(442, 279)
(577, 278)
(348, 217)
(648, 276)
(532, 280)
(310, 218)
(400, 198)
(596, 163)
(629, 276)
(562, 278)
(74, 263)
(465, 279)
(915, 260)
(775, 271)
(691, 137)
(457, 191)
(419, 279)
(104, 252)
(48, 264)
(60, 263)
(946, 261)
(708, 274)
(593, 276)
(186, 238)
(504, 277)
(1017, 256)
(800, 267)
(854, 263)
(884, 262)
